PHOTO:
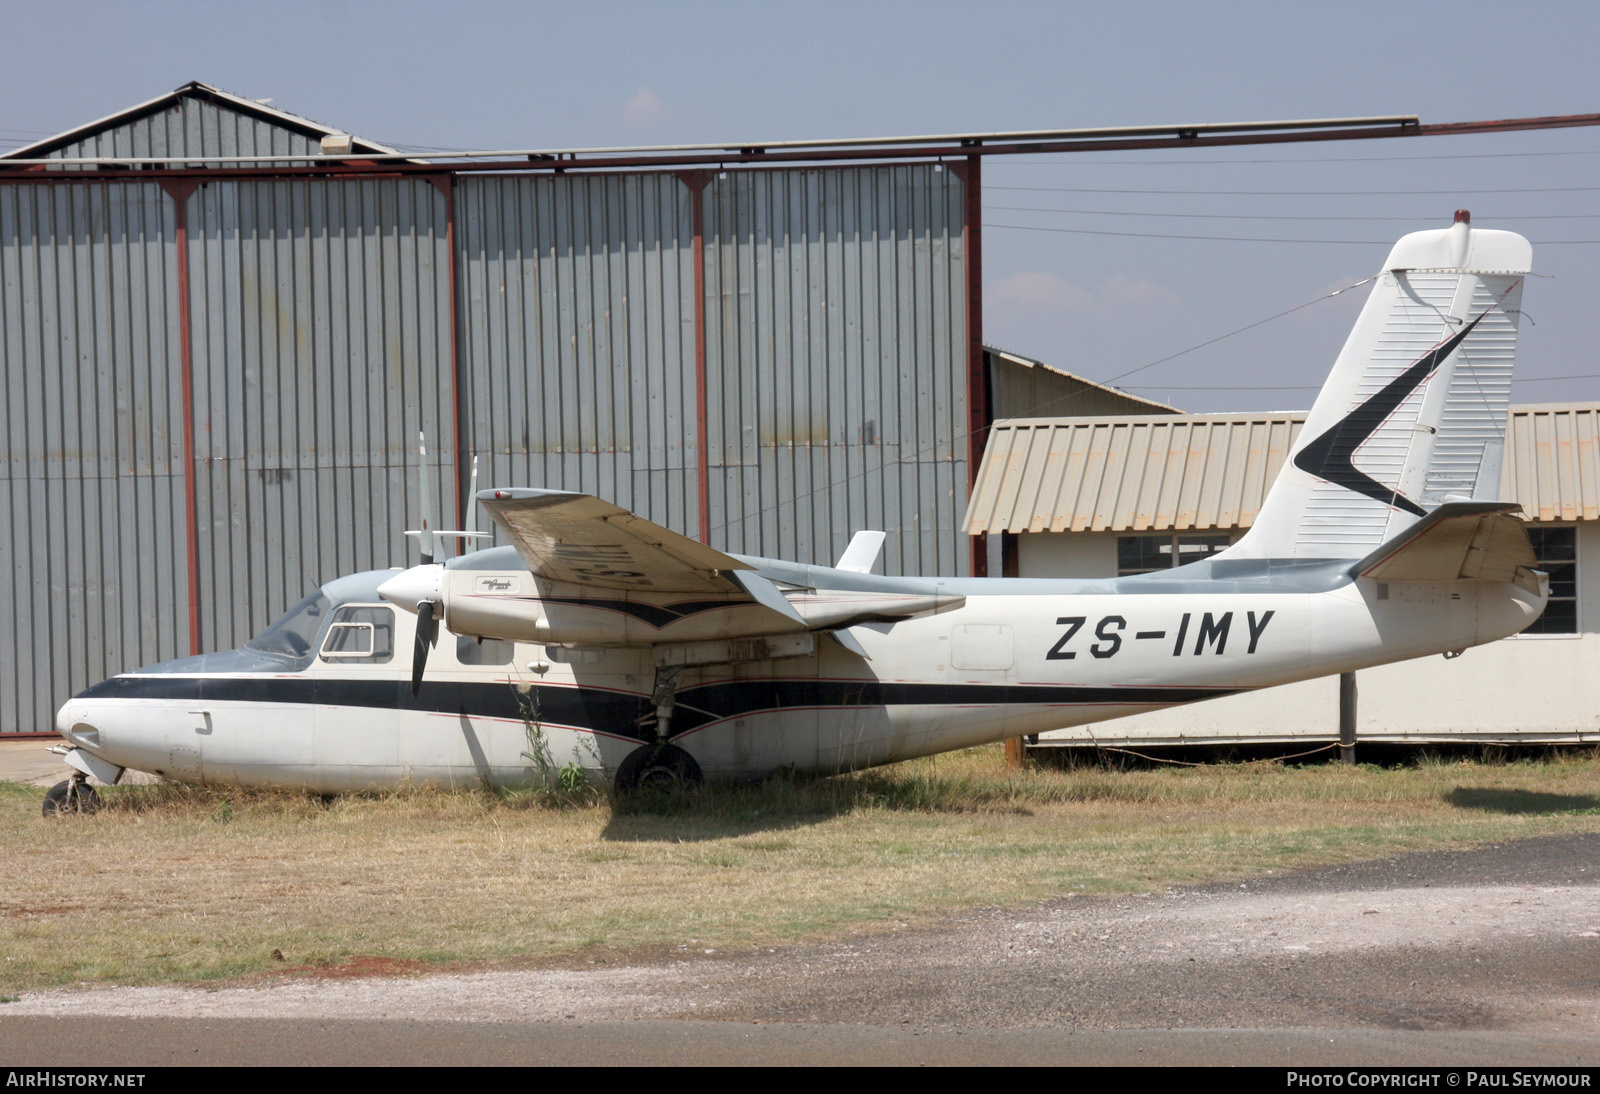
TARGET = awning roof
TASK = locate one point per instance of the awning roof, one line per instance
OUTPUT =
(1208, 471)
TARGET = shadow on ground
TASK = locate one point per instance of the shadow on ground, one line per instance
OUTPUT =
(1492, 800)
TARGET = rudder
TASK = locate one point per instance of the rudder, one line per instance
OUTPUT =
(1414, 412)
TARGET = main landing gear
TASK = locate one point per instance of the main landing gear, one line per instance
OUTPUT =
(660, 766)
(73, 795)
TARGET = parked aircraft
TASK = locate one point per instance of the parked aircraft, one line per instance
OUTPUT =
(601, 644)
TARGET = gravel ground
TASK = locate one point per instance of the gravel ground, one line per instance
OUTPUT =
(1505, 937)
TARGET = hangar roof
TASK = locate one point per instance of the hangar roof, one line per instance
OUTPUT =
(195, 119)
(1211, 471)
(1022, 386)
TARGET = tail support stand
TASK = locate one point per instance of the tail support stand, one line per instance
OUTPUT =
(1347, 717)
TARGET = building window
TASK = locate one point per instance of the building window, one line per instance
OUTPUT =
(1556, 551)
(1145, 554)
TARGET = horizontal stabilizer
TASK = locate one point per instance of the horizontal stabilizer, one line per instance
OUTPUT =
(578, 538)
(862, 552)
(1458, 541)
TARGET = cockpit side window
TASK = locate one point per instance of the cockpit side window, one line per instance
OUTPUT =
(360, 634)
(295, 631)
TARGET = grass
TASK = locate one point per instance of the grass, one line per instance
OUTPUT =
(172, 883)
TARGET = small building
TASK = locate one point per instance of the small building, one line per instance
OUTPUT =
(1106, 496)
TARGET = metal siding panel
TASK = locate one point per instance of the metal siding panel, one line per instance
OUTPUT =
(1588, 494)
(325, 349)
(1566, 452)
(829, 307)
(576, 307)
(1542, 468)
(1201, 502)
(1050, 450)
(1162, 473)
(1517, 478)
(87, 311)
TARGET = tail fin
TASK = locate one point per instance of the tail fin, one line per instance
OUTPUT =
(1414, 413)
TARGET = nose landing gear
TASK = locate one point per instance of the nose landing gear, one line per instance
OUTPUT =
(73, 795)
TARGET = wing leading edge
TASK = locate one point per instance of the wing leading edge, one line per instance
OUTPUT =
(580, 540)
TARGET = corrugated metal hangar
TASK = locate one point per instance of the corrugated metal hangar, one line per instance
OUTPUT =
(1113, 495)
(253, 358)
(215, 373)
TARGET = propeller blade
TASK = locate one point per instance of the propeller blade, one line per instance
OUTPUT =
(427, 634)
(425, 540)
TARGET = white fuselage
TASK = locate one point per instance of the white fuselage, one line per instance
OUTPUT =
(1016, 657)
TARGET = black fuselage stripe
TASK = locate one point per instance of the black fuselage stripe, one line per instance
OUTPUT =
(620, 713)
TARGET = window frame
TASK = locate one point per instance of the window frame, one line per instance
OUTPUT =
(1576, 599)
(341, 619)
(1174, 543)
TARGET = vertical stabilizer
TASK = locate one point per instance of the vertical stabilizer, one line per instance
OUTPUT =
(1414, 412)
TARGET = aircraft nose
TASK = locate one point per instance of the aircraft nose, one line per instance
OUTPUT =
(411, 587)
(74, 723)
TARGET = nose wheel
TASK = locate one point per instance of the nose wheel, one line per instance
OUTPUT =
(73, 795)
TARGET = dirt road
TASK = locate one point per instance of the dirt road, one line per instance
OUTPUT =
(1485, 956)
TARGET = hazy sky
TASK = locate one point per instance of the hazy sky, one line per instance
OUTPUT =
(1282, 226)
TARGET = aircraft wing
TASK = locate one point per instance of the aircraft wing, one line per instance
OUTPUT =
(579, 539)
(1458, 541)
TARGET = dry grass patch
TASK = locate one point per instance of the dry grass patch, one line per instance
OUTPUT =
(168, 883)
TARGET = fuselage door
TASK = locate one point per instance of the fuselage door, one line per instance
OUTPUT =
(359, 690)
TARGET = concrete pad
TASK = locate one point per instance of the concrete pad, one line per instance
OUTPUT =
(26, 761)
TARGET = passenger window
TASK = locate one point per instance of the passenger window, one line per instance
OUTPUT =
(360, 635)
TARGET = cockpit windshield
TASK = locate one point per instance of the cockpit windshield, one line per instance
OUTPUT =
(294, 634)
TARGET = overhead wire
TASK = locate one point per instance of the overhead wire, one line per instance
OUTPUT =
(1178, 235)
(1315, 387)
(1080, 162)
(1390, 193)
(1262, 216)
(1234, 239)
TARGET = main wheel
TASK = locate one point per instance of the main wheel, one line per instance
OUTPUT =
(71, 796)
(659, 767)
